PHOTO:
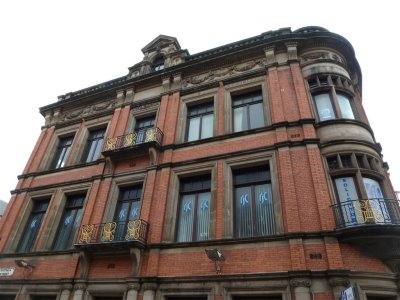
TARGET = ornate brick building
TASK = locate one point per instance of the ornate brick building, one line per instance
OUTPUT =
(258, 151)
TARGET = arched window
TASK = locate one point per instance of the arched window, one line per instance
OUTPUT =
(158, 64)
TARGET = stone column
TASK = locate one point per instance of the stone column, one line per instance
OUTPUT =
(65, 291)
(132, 291)
(79, 291)
(301, 288)
(338, 285)
(149, 291)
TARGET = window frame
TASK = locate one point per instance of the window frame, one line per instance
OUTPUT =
(252, 184)
(59, 150)
(177, 174)
(243, 162)
(196, 193)
(238, 88)
(89, 142)
(24, 233)
(187, 101)
(245, 96)
(199, 115)
(70, 198)
(334, 86)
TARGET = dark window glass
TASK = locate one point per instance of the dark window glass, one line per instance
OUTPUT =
(141, 127)
(333, 163)
(360, 161)
(128, 209)
(200, 122)
(62, 151)
(254, 212)
(248, 111)
(94, 145)
(158, 64)
(33, 226)
(43, 297)
(194, 209)
(7, 297)
(69, 222)
(346, 161)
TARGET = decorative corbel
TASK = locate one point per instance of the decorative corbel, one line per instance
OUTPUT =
(270, 56)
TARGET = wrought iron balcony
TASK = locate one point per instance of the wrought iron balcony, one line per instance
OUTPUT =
(134, 140)
(113, 233)
(371, 225)
(367, 212)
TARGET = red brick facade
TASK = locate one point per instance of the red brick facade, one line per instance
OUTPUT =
(308, 255)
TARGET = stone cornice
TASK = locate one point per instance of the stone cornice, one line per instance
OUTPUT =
(267, 39)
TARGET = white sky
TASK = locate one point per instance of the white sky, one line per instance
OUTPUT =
(50, 48)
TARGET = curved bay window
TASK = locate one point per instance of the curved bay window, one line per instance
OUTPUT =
(194, 209)
(253, 205)
(332, 98)
(361, 199)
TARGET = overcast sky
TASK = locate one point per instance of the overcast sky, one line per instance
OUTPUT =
(49, 48)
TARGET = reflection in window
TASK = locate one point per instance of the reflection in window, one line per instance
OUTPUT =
(61, 155)
(33, 226)
(194, 210)
(254, 212)
(248, 111)
(94, 145)
(200, 121)
(69, 222)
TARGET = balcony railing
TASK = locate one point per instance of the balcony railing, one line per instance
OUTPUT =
(367, 212)
(113, 232)
(145, 136)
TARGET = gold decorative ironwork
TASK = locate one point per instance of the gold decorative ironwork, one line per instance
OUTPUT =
(130, 139)
(86, 233)
(111, 144)
(151, 135)
(108, 232)
(133, 230)
(369, 211)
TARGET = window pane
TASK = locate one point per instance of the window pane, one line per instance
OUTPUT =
(61, 155)
(186, 218)
(345, 107)
(194, 126)
(377, 205)
(372, 188)
(203, 216)
(243, 212)
(207, 125)
(256, 115)
(347, 192)
(264, 210)
(32, 227)
(135, 211)
(239, 119)
(324, 107)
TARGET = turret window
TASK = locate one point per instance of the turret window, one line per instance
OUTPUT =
(332, 98)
